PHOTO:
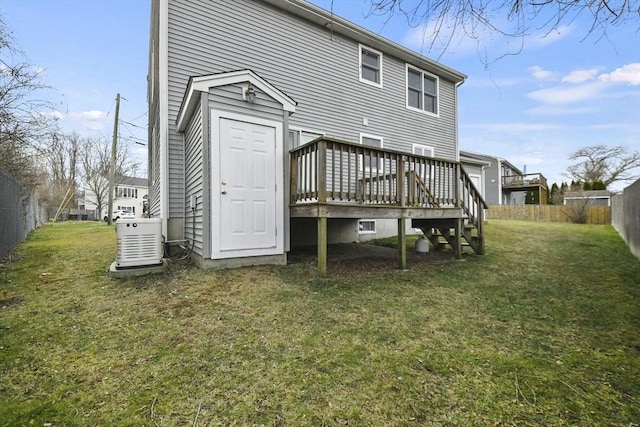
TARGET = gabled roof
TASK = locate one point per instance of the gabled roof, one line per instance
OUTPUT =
(198, 84)
(132, 180)
(485, 157)
(473, 160)
(587, 194)
(324, 18)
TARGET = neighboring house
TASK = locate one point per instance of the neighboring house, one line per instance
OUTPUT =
(476, 169)
(590, 197)
(505, 184)
(275, 123)
(129, 194)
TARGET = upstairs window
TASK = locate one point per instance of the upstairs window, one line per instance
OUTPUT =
(370, 66)
(422, 91)
(126, 192)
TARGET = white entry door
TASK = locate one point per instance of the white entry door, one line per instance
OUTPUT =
(250, 202)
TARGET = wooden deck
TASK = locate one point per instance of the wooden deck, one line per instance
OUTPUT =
(535, 182)
(330, 178)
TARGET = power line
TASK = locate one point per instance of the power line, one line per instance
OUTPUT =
(140, 116)
(132, 124)
(133, 139)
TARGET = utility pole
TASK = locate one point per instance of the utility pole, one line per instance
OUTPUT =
(112, 168)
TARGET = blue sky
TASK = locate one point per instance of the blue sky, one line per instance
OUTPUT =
(532, 101)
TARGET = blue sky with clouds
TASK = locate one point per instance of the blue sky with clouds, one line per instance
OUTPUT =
(531, 100)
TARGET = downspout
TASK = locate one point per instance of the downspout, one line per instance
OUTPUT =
(499, 181)
(163, 100)
(184, 188)
(457, 142)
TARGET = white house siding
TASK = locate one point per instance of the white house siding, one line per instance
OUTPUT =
(194, 173)
(317, 68)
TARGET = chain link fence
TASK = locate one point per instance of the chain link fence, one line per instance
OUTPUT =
(20, 213)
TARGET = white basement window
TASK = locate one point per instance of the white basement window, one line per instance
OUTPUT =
(367, 226)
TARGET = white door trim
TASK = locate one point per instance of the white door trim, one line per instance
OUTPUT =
(216, 252)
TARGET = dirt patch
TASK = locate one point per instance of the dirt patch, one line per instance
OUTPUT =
(362, 258)
(10, 302)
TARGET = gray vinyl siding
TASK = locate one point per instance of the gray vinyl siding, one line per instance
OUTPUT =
(154, 167)
(492, 180)
(472, 169)
(199, 158)
(194, 173)
(317, 68)
(153, 94)
(228, 98)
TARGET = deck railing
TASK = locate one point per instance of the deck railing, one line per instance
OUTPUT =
(527, 180)
(327, 170)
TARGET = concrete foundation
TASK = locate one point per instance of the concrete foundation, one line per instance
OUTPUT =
(120, 273)
(221, 264)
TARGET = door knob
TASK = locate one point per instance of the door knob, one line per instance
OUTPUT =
(224, 182)
(224, 191)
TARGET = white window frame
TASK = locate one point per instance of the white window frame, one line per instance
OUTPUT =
(429, 171)
(361, 165)
(360, 66)
(371, 221)
(131, 209)
(422, 148)
(300, 131)
(406, 87)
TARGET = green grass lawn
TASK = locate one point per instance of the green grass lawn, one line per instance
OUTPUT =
(543, 330)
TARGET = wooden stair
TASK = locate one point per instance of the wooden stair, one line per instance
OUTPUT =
(442, 233)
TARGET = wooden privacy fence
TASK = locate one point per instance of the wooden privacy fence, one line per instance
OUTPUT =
(597, 214)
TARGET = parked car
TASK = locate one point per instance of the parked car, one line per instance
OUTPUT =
(120, 214)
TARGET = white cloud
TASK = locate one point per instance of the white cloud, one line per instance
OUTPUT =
(541, 74)
(513, 127)
(580, 76)
(448, 34)
(92, 120)
(567, 95)
(629, 74)
(529, 159)
(544, 39)
(94, 115)
(440, 37)
(55, 114)
(560, 110)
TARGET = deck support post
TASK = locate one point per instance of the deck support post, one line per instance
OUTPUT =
(322, 246)
(402, 243)
(459, 222)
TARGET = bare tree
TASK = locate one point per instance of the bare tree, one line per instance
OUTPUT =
(95, 156)
(578, 210)
(606, 164)
(59, 153)
(22, 121)
(511, 18)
